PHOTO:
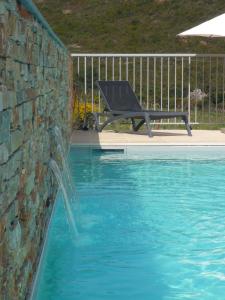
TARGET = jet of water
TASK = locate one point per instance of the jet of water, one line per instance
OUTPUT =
(65, 167)
(68, 178)
(59, 177)
(59, 139)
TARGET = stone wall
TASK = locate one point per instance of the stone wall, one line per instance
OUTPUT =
(35, 95)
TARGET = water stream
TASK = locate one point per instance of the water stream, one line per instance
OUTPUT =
(59, 139)
(64, 180)
(66, 170)
(59, 176)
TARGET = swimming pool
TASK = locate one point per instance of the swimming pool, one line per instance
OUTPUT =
(152, 226)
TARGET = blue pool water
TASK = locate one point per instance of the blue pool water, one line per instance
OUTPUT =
(151, 228)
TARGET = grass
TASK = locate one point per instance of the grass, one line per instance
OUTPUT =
(134, 26)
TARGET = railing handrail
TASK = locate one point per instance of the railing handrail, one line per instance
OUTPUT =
(145, 55)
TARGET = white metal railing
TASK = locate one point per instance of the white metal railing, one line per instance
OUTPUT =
(173, 82)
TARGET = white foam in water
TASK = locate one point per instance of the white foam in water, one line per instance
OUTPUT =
(84, 240)
(88, 221)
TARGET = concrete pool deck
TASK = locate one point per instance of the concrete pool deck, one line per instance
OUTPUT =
(161, 137)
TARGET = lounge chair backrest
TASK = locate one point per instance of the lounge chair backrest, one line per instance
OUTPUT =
(118, 96)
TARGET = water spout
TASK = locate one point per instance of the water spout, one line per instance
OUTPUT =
(65, 167)
(63, 158)
(59, 139)
(59, 177)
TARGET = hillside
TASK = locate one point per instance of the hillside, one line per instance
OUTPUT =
(131, 26)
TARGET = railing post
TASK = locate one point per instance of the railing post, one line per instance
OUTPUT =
(92, 85)
(85, 93)
(210, 86)
(147, 82)
(78, 66)
(106, 68)
(168, 85)
(141, 80)
(175, 84)
(216, 89)
(134, 74)
(85, 76)
(127, 65)
(161, 85)
(189, 88)
(99, 77)
(182, 84)
(120, 71)
(223, 85)
(196, 86)
(113, 68)
(203, 87)
(154, 83)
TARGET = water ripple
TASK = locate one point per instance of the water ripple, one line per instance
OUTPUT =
(153, 230)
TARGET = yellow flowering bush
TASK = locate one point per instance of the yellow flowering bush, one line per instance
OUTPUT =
(80, 111)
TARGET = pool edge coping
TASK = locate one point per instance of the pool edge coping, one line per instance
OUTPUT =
(125, 145)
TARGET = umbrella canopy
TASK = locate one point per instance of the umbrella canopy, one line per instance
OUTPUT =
(212, 28)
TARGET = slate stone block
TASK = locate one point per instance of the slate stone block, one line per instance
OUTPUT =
(4, 154)
(30, 184)
(13, 165)
(5, 117)
(27, 110)
(16, 140)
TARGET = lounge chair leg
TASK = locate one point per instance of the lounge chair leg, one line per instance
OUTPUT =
(133, 124)
(139, 125)
(108, 121)
(188, 127)
(147, 121)
(95, 115)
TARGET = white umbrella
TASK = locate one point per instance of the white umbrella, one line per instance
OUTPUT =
(212, 28)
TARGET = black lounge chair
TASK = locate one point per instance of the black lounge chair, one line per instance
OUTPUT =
(121, 103)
